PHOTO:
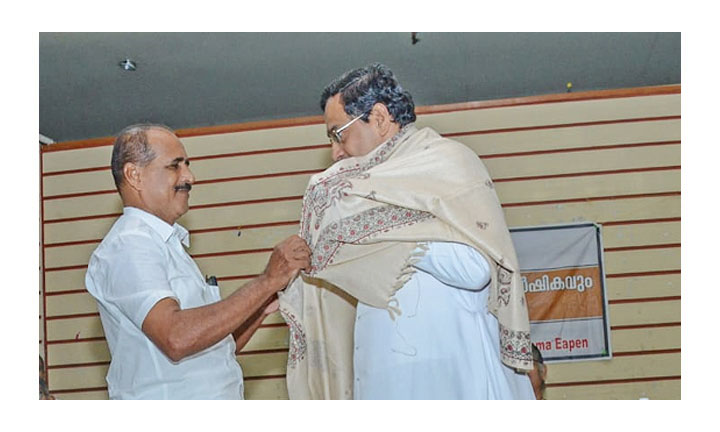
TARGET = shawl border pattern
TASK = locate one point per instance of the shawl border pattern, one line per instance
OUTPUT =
(354, 229)
(329, 189)
(298, 343)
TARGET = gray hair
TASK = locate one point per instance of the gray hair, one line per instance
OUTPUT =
(132, 146)
(360, 89)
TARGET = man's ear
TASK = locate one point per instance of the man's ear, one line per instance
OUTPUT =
(382, 119)
(131, 173)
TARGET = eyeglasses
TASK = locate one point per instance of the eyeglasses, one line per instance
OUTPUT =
(335, 134)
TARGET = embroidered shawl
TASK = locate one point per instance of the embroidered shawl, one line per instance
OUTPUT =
(364, 218)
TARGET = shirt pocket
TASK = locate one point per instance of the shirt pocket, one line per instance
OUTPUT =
(211, 293)
(189, 291)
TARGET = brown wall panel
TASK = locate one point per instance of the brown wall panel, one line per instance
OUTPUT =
(609, 158)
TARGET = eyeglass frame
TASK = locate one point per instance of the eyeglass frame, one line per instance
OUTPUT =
(335, 134)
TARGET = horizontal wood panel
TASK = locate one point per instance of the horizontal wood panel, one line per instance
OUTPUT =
(554, 114)
(95, 351)
(589, 186)
(263, 364)
(197, 146)
(617, 262)
(201, 243)
(70, 304)
(203, 169)
(82, 158)
(268, 338)
(632, 288)
(242, 215)
(249, 239)
(259, 164)
(195, 219)
(204, 194)
(482, 119)
(639, 287)
(281, 211)
(258, 389)
(585, 161)
(624, 340)
(83, 395)
(644, 313)
(78, 352)
(483, 144)
(647, 234)
(524, 191)
(65, 280)
(626, 367)
(88, 327)
(524, 146)
(318, 159)
(256, 140)
(659, 389)
(266, 389)
(276, 389)
(82, 206)
(65, 256)
(639, 208)
(567, 138)
(234, 265)
(267, 237)
(79, 377)
(645, 339)
(650, 260)
(80, 230)
(74, 328)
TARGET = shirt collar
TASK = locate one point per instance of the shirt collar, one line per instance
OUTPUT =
(161, 227)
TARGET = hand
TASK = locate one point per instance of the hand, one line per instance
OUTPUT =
(287, 259)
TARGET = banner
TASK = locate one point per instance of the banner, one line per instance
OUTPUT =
(564, 280)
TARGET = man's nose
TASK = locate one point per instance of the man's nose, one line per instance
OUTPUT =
(187, 175)
(337, 152)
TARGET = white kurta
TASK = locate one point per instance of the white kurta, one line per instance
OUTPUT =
(445, 345)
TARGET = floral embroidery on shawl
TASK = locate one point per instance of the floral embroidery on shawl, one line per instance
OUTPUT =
(354, 229)
(504, 278)
(514, 345)
(298, 344)
(327, 190)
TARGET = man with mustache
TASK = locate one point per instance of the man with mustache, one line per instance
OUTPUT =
(170, 334)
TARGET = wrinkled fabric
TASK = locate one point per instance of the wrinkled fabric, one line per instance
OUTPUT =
(445, 343)
(363, 219)
(141, 261)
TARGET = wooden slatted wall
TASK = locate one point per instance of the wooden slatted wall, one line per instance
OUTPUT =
(612, 157)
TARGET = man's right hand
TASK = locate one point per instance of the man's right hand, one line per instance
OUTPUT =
(287, 259)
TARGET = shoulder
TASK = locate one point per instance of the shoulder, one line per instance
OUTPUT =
(448, 151)
(437, 142)
(128, 235)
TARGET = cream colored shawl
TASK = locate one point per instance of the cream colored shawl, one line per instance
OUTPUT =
(363, 218)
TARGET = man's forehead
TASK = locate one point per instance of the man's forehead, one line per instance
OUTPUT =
(164, 141)
(335, 114)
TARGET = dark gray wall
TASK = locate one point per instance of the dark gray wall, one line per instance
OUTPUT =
(199, 79)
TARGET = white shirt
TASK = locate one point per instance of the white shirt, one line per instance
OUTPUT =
(445, 343)
(139, 262)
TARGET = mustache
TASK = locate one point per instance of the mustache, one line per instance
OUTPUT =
(184, 186)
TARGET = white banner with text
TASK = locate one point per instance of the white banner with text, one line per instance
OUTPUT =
(564, 280)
